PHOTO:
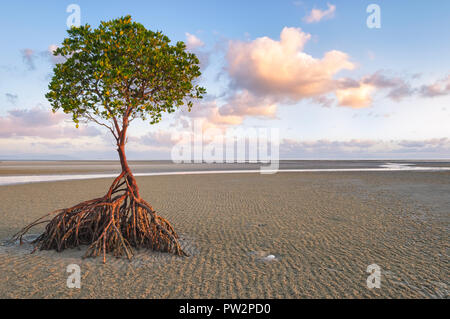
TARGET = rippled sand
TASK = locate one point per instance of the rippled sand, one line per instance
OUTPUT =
(323, 230)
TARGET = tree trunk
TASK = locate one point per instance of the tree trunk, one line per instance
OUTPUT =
(126, 169)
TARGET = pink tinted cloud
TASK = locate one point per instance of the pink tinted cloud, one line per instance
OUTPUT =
(279, 71)
(40, 122)
(54, 59)
(317, 15)
(398, 87)
(237, 106)
(244, 103)
(281, 68)
(196, 45)
(358, 93)
(438, 88)
(193, 42)
(355, 97)
(365, 148)
(208, 110)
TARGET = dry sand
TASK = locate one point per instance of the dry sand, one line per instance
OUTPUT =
(324, 229)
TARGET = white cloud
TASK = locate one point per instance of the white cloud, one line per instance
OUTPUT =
(317, 15)
(193, 42)
(55, 59)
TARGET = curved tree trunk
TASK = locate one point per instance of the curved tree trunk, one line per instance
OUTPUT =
(126, 169)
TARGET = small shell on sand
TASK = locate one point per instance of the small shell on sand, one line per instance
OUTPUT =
(269, 258)
(263, 255)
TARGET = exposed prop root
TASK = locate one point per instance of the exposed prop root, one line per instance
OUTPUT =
(113, 224)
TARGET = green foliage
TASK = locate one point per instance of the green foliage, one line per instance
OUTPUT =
(121, 70)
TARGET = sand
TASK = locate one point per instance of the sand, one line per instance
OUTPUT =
(323, 230)
(12, 168)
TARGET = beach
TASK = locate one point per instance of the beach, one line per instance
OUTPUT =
(284, 235)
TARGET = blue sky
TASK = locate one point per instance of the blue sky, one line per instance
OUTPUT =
(387, 98)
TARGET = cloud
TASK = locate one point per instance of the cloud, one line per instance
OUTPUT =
(323, 100)
(154, 145)
(429, 144)
(54, 59)
(192, 42)
(371, 55)
(243, 103)
(266, 72)
(37, 133)
(11, 98)
(358, 93)
(281, 69)
(234, 108)
(159, 138)
(365, 149)
(208, 110)
(439, 88)
(28, 57)
(325, 144)
(82, 147)
(281, 72)
(317, 15)
(399, 88)
(380, 80)
(157, 143)
(38, 122)
(400, 92)
(355, 97)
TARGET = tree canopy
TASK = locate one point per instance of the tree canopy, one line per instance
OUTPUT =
(121, 71)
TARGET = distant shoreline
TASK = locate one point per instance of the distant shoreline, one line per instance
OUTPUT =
(25, 179)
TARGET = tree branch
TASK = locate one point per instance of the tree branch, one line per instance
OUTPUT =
(90, 117)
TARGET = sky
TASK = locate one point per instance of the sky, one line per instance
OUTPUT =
(334, 87)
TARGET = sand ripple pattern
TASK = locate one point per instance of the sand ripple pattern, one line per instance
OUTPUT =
(323, 230)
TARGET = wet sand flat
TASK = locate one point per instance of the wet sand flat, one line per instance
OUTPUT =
(324, 229)
(12, 168)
